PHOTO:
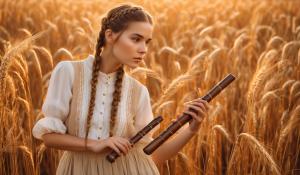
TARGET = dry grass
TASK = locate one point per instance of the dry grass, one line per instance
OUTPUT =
(253, 127)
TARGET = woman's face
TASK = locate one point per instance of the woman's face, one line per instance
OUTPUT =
(132, 45)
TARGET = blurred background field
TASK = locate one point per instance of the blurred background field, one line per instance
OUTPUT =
(254, 126)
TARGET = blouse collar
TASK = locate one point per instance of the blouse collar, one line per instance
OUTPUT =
(111, 75)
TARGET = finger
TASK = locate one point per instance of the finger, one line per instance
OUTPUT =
(201, 112)
(204, 108)
(197, 108)
(121, 147)
(198, 117)
(205, 103)
(194, 115)
(115, 148)
(201, 105)
(127, 144)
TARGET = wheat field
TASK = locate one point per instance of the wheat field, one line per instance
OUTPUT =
(254, 125)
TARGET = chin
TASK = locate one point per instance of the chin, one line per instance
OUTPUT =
(132, 66)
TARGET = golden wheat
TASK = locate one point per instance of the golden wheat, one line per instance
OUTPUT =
(253, 126)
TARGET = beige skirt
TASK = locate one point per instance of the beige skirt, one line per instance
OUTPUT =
(135, 162)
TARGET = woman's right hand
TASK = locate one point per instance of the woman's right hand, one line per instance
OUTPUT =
(118, 144)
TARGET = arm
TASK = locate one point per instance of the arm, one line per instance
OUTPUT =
(171, 147)
(71, 143)
(52, 130)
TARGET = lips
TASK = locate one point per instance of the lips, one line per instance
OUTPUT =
(137, 59)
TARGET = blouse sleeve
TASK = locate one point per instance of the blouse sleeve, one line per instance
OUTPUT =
(56, 105)
(144, 114)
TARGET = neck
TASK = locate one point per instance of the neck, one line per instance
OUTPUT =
(109, 62)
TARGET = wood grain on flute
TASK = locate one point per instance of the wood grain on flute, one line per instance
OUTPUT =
(113, 155)
(183, 119)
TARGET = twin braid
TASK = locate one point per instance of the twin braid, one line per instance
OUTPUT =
(107, 22)
(113, 19)
(116, 100)
(94, 81)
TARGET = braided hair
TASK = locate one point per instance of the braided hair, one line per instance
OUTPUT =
(117, 20)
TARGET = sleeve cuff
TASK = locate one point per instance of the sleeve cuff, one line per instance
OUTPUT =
(48, 125)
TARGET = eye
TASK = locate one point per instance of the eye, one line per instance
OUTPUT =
(148, 42)
(136, 39)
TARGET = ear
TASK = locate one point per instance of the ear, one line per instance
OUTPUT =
(110, 36)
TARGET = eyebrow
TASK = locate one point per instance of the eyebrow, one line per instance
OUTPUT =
(142, 36)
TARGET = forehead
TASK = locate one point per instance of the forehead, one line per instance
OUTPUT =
(143, 28)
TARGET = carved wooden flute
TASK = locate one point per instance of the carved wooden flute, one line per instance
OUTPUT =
(113, 155)
(183, 119)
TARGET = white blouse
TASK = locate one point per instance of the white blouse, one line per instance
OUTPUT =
(56, 106)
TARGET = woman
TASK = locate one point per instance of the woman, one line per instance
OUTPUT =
(92, 106)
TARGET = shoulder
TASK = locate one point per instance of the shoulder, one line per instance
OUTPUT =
(135, 84)
(139, 92)
(68, 67)
(63, 71)
(64, 67)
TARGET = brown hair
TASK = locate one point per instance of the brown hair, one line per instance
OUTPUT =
(117, 20)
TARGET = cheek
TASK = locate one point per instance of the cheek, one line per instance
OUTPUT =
(124, 49)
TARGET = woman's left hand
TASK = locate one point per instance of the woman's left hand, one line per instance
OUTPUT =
(202, 107)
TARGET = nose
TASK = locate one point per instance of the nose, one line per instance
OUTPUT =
(143, 49)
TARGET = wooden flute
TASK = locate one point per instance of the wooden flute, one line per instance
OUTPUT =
(113, 155)
(183, 119)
